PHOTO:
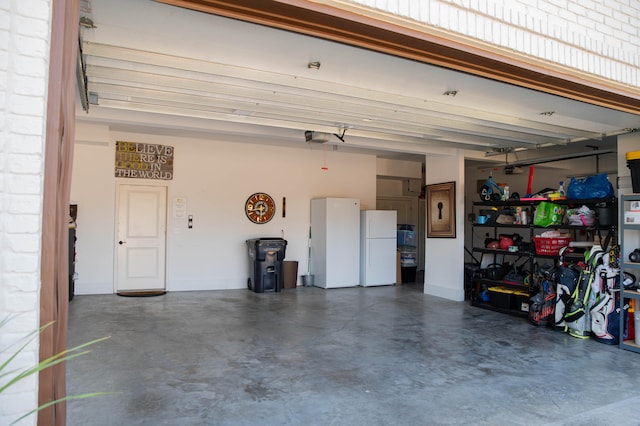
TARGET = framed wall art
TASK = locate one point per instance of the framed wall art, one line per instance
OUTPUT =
(441, 210)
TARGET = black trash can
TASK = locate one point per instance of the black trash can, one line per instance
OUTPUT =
(265, 269)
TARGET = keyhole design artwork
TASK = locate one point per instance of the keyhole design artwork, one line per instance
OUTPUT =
(441, 210)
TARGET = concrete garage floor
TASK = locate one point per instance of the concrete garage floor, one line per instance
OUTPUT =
(358, 356)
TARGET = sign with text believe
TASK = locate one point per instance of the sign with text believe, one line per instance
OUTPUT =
(144, 160)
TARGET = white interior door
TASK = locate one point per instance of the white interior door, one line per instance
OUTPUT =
(141, 238)
(406, 208)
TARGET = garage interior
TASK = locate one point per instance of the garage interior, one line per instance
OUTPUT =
(313, 356)
(243, 112)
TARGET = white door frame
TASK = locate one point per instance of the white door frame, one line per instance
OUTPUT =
(120, 184)
(417, 218)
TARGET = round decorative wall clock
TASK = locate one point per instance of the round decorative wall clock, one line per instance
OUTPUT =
(260, 208)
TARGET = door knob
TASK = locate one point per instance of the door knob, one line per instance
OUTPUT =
(122, 242)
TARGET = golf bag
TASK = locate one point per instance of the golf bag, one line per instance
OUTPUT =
(578, 315)
(566, 279)
(605, 318)
(605, 314)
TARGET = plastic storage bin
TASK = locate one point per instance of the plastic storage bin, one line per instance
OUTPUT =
(265, 271)
(550, 246)
(408, 264)
(406, 238)
(408, 256)
(406, 227)
(522, 302)
(501, 297)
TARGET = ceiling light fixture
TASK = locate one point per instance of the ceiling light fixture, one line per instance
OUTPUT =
(451, 93)
(314, 65)
(548, 113)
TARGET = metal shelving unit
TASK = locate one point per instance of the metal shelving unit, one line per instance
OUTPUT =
(530, 256)
(629, 240)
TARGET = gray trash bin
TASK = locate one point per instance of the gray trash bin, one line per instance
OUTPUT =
(265, 269)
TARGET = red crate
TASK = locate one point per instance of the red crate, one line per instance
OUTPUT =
(550, 246)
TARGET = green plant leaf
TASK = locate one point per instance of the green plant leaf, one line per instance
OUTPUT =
(66, 398)
(55, 359)
(29, 338)
(49, 362)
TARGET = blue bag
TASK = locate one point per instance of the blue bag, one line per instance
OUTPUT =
(595, 186)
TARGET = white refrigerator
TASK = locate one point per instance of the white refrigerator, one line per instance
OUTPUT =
(378, 236)
(335, 242)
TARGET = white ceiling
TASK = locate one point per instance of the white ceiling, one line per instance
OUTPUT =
(152, 66)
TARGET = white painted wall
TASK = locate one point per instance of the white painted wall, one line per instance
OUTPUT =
(24, 49)
(216, 178)
(598, 37)
(443, 272)
(399, 168)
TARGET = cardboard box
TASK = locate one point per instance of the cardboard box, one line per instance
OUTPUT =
(634, 206)
(632, 218)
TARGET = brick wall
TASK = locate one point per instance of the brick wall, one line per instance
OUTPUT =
(600, 37)
(24, 51)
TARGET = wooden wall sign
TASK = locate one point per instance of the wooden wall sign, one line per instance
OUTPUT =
(441, 210)
(144, 161)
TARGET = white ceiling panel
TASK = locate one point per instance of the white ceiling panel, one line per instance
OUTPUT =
(260, 77)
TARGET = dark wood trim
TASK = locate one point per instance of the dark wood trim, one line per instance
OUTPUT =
(437, 49)
(58, 155)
